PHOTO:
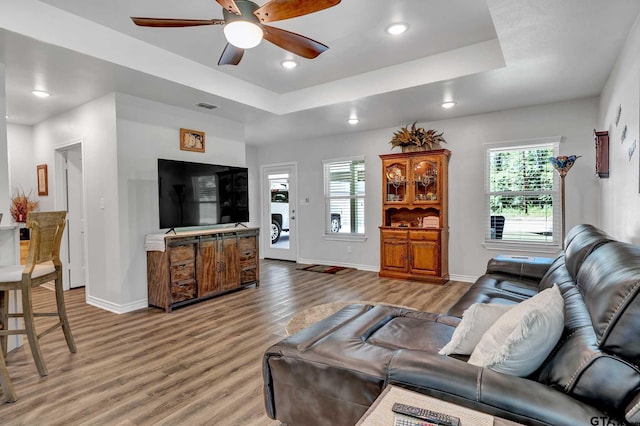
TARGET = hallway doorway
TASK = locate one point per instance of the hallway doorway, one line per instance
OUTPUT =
(70, 180)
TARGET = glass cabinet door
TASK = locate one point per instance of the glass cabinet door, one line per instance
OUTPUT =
(425, 181)
(396, 181)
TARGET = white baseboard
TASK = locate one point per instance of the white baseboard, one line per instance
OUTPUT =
(115, 308)
(463, 278)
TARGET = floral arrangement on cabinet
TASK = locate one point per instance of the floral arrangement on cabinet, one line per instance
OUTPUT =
(21, 204)
(412, 138)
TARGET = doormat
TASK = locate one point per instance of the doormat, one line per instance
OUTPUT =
(326, 269)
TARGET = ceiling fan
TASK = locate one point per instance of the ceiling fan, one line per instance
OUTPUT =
(244, 26)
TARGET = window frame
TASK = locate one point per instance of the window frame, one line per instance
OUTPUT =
(343, 236)
(525, 245)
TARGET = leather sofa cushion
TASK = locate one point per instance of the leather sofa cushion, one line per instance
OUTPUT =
(495, 288)
(582, 370)
(579, 229)
(575, 311)
(412, 333)
(584, 240)
(556, 274)
(609, 281)
(520, 266)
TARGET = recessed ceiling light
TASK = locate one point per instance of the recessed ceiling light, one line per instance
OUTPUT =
(289, 64)
(397, 28)
(448, 105)
(353, 121)
(41, 93)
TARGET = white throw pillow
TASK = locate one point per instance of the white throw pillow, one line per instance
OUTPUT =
(476, 320)
(520, 340)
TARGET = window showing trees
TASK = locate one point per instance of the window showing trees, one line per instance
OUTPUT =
(522, 194)
(344, 191)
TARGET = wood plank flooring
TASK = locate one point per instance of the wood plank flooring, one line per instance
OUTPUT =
(198, 365)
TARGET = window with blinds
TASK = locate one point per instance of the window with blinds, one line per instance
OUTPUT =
(344, 192)
(522, 194)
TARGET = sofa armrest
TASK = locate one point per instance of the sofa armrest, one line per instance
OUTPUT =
(520, 266)
(510, 397)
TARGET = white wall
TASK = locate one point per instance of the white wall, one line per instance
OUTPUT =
(93, 123)
(573, 120)
(22, 165)
(254, 185)
(620, 193)
(147, 131)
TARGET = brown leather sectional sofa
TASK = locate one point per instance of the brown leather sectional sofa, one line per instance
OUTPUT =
(332, 371)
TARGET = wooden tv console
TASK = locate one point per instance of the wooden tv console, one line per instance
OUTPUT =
(202, 264)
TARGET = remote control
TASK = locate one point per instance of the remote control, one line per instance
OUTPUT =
(434, 417)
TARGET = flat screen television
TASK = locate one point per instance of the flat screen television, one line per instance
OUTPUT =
(197, 194)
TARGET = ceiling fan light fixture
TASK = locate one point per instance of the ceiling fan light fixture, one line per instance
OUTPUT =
(289, 64)
(397, 28)
(243, 34)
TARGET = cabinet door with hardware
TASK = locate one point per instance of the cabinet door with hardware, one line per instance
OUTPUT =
(229, 266)
(208, 271)
(393, 251)
(425, 257)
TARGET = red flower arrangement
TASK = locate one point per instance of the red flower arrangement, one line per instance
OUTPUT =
(22, 204)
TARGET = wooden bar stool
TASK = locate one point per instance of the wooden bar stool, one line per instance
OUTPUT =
(5, 381)
(43, 265)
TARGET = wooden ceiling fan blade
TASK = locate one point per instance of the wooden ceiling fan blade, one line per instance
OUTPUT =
(231, 55)
(277, 10)
(161, 22)
(230, 5)
(294, 43)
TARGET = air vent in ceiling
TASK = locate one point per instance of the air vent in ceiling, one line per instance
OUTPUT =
(206, 105)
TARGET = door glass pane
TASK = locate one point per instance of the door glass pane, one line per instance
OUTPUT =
(279, 186)
(425, 174)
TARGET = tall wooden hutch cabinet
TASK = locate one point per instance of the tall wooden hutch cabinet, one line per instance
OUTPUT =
(414, 236)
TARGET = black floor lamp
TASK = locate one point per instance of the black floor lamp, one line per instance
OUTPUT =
(563, 164)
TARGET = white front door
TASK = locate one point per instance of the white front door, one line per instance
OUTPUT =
(279, 232)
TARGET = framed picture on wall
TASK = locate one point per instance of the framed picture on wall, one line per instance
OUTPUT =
(43, 179)
(191, 140)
